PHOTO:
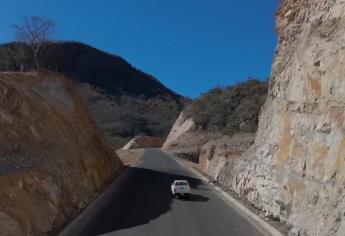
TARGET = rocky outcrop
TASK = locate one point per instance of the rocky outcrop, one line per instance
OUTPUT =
(144, 142)
(53, 161)
(212, 151)
(296, 169)
(186, 139)
(218, 157)
(181, 126)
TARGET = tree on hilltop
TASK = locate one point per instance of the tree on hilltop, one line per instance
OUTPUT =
(34, 31)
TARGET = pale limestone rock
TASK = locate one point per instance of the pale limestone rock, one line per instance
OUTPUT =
(297, 171)
(181, 126)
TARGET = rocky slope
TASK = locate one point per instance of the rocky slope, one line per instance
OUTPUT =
(218, 115)
(214, 153)
(122, 100)
(53, 160)
(184, 140)
(295, 171)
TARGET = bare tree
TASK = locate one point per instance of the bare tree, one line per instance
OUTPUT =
(34, 31)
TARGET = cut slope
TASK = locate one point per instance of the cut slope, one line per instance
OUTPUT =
(295, 171)
(52, 158)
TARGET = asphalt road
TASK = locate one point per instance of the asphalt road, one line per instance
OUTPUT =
(142, 205)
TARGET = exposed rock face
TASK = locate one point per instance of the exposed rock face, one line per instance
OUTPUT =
(211, 151)
(297, 171)
(218, 157)
(185, 139)
(144, 142)
(52, 158)
(181, 126)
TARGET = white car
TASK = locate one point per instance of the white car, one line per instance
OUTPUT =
(180, 188)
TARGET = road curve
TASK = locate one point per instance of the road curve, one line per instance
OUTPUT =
(143, 206)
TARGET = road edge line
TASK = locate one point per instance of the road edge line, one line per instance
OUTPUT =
(243, 210)
(85, 216)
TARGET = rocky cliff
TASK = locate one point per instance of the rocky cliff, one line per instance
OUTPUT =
(53, 160)
(295, 170)
(186, 139)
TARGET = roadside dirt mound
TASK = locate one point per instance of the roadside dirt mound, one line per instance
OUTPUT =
(53, 160)
(144, 142)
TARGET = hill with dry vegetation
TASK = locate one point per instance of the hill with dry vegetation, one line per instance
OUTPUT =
(124, 101)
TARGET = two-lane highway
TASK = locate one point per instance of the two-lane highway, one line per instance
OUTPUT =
(142, 205)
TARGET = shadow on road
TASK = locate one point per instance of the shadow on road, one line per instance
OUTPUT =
(143, 196)
(195, 198)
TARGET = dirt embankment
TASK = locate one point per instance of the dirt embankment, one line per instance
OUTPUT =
(144, 142)
(53, 160)
(130, 157)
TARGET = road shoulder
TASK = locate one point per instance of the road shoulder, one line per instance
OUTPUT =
(129, 158)
(258, 222)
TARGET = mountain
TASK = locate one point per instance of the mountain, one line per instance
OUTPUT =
(123, 101)
(84, 63)
(103, 70)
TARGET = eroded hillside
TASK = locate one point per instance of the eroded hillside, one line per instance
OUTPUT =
(53, 160)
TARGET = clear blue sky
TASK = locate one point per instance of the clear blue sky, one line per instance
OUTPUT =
(189, 45)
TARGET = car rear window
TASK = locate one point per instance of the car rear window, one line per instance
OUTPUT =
(181, 183)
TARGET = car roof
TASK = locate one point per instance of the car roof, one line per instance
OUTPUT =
(181, 180)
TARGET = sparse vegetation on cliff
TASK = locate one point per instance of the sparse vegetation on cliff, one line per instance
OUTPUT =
(231, 109)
